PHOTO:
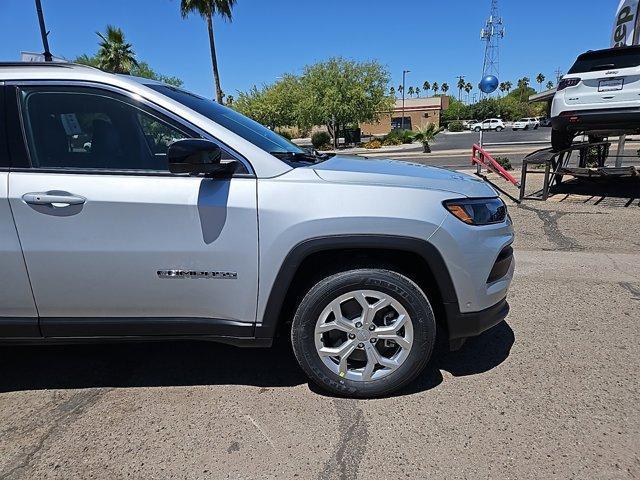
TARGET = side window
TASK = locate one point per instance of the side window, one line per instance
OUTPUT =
(87, 128)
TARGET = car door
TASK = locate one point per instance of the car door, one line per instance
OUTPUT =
(116, 245)
(18, 315)
(486, 125)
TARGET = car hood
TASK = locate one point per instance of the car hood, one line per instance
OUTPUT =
(366, 171)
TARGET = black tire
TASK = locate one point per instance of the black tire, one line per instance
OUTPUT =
(397, 286)
(560, 140)
(477, 129)
(499, 129)
(527, 127)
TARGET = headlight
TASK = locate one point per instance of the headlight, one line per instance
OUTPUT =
(478, 211)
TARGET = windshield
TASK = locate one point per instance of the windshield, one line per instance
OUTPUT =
(250, 130)
(607, 60)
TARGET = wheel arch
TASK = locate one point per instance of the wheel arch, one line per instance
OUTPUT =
(309, 260)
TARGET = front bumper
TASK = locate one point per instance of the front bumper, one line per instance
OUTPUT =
(465, 325)
(610, 119)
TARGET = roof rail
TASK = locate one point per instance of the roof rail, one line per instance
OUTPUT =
(43, 64)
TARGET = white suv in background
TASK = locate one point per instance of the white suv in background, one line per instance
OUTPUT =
(526, 124)
(489, 124)
(600, 95)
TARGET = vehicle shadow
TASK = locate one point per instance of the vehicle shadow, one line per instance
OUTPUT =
(162, 364)
(155, 364)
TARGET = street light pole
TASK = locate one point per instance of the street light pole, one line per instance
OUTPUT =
(43, 33)
(404, 78)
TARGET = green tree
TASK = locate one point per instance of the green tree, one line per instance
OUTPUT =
(274, 105)
(207, 9)
(142, 69)
(342, 92)
(540, 78)
(392, 92)
(115, 54)
(417, 90)
(426, 86)
(435, 87)
(445, 88)
(400, 89)
(411, 91)
(550, 85)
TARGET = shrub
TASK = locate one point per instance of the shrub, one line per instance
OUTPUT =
(456, 126)
(320, 139)
(285, 133)
(399, 136)
(504, 162)
(390, 141)
(373, 144)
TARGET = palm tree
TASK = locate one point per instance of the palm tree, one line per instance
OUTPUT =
(410, 91)
(426, 134)
(461, 85)
(445, 88)
(540, 79)
(435, 87)
(550, 85)
(392, 92)
(400, 89)
(503, 87)
(508, 86)
(426, 86)
(417, 90)
(115, 55)
(467, 88)
(207, 9)
(523, 85)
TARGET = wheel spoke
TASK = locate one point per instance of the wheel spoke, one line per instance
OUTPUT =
(343, 350)
(403, 342)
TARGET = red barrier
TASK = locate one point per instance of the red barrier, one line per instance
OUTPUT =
(480, 156)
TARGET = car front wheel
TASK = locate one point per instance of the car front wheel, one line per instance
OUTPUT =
(477, 129)
(363, 333)
(499, 129)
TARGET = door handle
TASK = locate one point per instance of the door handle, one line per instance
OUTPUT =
(45, 198)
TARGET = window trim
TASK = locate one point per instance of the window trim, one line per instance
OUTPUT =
(157, 110)
(5, 157)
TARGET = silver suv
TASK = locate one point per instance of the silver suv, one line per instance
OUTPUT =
(131, 209)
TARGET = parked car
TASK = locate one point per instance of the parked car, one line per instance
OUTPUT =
(599, 96)
(187, 220)
(467, 124)
(545, 122)
(489, 124)
(526, 124)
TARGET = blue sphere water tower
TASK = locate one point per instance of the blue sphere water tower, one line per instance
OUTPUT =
(489, 84)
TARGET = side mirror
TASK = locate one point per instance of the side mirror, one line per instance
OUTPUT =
(195, 156)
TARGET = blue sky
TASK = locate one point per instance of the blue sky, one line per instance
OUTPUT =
(436, 40)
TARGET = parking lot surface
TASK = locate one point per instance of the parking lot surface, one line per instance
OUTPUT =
(553, 392)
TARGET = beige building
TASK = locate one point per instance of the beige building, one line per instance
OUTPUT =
(417, 113)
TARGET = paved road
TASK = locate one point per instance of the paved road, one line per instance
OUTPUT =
(452, 141)
(552, 393)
